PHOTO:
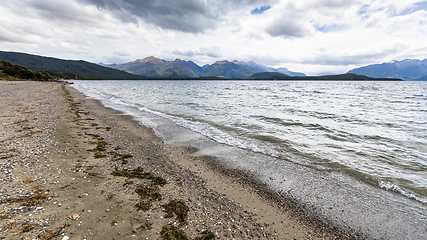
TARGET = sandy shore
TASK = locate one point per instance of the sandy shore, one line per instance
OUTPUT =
(63, 159)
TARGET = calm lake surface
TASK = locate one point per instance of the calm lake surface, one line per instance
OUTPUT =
(375, 132)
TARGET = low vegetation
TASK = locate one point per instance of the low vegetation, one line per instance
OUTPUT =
(9, 71)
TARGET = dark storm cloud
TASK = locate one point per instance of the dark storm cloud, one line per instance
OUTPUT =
(193, 16)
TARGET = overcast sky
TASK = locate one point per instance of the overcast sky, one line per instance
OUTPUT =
(310, 36)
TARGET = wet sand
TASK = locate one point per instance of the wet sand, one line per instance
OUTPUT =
(59, 152)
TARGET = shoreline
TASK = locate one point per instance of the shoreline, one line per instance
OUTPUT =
(61, 149)
(54, 185)
(214, 177)
(332, 197)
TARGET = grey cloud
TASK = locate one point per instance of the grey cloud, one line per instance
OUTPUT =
(56, 10)
(333, 4)
(289, 23)
(6, 38)
(296, 21)
(62, 13)
(121, 53)
(344, 60)
(8, 34)
(209, 52)
(192, 16)
(116, 59)
(287, 29)
(188, 53)
(340, 60)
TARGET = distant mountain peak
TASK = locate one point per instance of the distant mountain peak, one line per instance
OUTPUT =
(150, 59)
(222, 62)
(250, 63)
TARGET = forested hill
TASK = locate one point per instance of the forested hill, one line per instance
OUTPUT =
(71, 68)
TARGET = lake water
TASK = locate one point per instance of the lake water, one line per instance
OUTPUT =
(374, 132)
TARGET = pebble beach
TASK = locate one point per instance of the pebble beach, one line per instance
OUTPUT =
(74, 169)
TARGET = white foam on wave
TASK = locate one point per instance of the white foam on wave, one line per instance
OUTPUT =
(214, 133)
(331, 192)
(203, 128)
(393, 187)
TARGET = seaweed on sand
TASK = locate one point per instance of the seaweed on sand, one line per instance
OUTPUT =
(139, 173)
(172, 233)
(32, 200)
(149, 194)
(179, 208)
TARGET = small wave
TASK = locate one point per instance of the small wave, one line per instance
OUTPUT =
(271, 139)
(311, 126)
(394, 188)
(291, 123)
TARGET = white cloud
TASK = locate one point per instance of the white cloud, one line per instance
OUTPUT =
(313, 36)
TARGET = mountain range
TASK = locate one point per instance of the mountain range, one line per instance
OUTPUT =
(408, 69)
(156, 67)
